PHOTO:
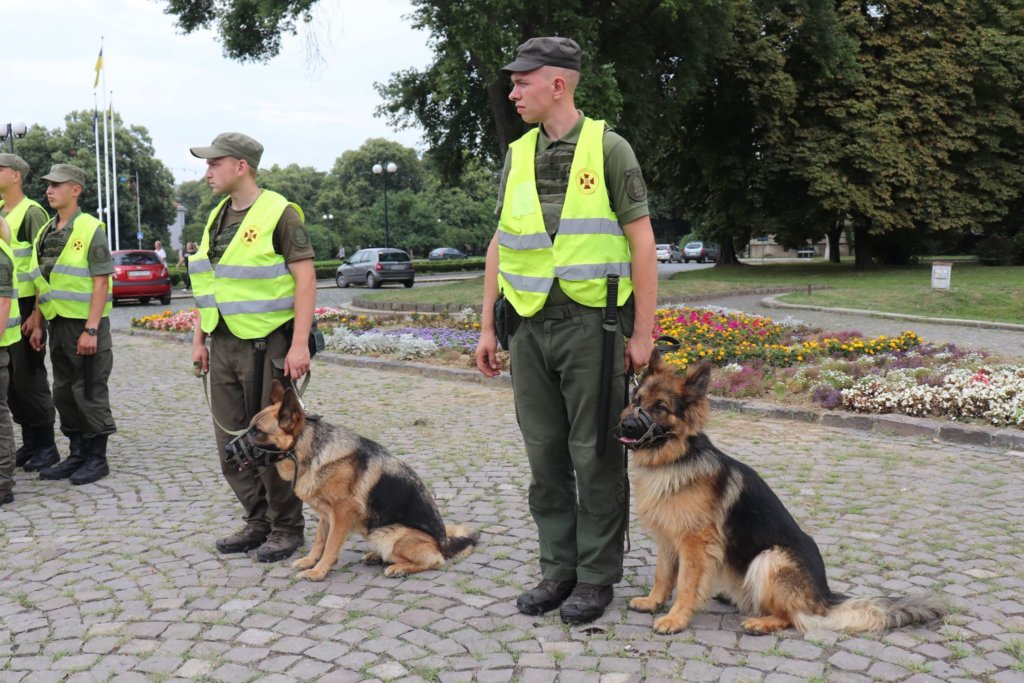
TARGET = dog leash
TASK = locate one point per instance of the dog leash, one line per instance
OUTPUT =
(299, 391)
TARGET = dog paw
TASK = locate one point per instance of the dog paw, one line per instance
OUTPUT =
(759, 626)
(312, 575)
(644, 605)
(372, 558)
(304, 563)
(669, 624)
(395, 571)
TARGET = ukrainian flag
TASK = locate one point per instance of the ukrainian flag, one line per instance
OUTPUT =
(99, 67)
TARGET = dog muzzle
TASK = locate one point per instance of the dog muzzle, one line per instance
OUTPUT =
(639, 430)
(243, 453)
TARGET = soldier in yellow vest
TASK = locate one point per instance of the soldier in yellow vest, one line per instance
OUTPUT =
(31, 404)
(572, 211)
(10, 333)
(74, 296)
(255, 288)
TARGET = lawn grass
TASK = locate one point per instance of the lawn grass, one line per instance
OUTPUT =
(976, 292)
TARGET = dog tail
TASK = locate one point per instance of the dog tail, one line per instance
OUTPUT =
(461, 541)
(874, 615)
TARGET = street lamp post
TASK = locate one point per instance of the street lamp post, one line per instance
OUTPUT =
(384, 169)
(11, 131)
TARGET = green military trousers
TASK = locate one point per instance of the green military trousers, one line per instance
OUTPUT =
(80, 382)
(268, 500)
(6, 428)
(577, 500)
(31, 402)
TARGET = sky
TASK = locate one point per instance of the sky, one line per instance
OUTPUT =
(185, 91)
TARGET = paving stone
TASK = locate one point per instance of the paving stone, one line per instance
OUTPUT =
(146, 595)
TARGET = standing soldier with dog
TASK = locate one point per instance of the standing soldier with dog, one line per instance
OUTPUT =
(255, 288)
(573, 222)
(31, 404)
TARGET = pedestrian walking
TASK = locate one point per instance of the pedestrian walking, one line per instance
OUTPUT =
(10, 333)
(574, 258)
(75, 298)
(255, 288)
(31, 403)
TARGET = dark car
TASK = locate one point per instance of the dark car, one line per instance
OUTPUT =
(140, 274)
(375, 266)
(444, 253)
(701, 252)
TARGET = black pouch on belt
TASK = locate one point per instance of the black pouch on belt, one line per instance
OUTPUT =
(506, 320)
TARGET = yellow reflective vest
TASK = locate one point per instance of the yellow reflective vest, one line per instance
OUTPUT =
(589, 244)
(69, 290)
(11, 333)
(251, 285)
(25, 262)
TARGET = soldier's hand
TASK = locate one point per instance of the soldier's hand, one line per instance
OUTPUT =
(638, 352)
(35, 338)
(487, 354)
(86, 344)
(200, 359)
(296, 363)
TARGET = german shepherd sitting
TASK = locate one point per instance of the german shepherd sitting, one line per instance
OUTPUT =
(721, 530)
(354, 484)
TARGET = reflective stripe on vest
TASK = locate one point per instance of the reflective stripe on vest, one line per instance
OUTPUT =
(589, 244)
(25, 263)
(11, 333)
(251, 285)
(70, 287)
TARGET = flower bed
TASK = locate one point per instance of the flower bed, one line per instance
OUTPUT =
(757, 357)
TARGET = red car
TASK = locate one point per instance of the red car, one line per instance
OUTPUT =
(140, 274)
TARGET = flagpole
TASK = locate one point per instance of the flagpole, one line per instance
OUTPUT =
(113, 147)
(96, 135)
(106, 162)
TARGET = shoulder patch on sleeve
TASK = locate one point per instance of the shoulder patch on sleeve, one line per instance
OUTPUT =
(101, 252)
(299, 236)
(636, 188)
(6, 274)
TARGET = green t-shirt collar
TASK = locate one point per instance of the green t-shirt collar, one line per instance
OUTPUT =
(570, 138)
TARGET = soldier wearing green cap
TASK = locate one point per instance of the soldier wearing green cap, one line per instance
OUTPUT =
(255, 288)
(31, 403)
(75, 298)
(573, 216)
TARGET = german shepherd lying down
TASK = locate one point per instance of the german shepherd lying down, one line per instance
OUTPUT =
(355, 484)
(721, 530)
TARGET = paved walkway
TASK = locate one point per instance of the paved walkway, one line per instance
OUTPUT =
(119, 580)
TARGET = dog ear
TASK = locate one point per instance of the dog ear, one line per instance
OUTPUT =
(698, 376)
(654, 364)
(276, 392)
(291, 416)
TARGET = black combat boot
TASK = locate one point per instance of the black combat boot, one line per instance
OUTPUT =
(46, 450)
(66, 468)
(28, 446)
(95, 467)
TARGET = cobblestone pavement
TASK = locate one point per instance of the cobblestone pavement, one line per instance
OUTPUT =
(119, 580)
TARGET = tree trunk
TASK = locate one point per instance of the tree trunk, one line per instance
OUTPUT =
(727, 254)
(506, 124)
(862, 245)
(834, 233)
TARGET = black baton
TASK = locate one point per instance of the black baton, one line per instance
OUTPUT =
(611, 329)
(259, 354)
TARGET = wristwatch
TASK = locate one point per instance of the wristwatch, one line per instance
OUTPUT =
(91, 331)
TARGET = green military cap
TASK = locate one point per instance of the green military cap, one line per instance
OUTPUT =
(546, 51)
(65, 173)
(235, 145)
(15, 162)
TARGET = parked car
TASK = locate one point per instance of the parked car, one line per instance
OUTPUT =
(701, 252)
(668, 253)
(140, 274)
(375, 266)
(444, 253)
